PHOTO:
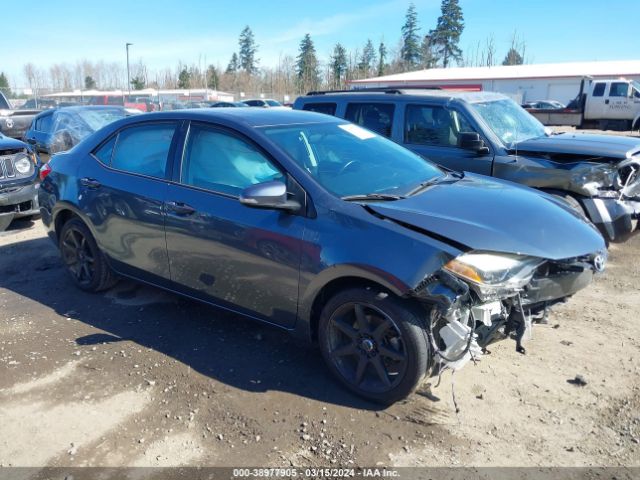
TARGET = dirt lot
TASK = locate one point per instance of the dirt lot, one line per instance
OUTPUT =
(140, 377)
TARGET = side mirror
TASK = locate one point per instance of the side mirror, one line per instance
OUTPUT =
(472, 141)
(269, 195)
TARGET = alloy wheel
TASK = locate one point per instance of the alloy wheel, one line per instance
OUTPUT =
(77, 256)
(366, 347)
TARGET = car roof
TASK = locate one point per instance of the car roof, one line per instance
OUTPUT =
(80, 108)
(393, 94)
(251, 117)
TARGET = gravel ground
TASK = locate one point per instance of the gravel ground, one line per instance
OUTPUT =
(139, 377)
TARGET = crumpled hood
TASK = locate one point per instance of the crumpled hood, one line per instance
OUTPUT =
(488, 215)
(584, 144)
(7, 143)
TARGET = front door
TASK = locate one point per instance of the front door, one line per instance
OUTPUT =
(433, 132)
(219, 250)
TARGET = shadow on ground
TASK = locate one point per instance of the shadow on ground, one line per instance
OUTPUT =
(226, 347)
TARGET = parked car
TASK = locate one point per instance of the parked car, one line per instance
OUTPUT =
(58, 130)
(265, 103)
(13, 123)
(320, 227)
(44, 103)
(18, 181)
(228, 104)
(545, 105)
(489, 134)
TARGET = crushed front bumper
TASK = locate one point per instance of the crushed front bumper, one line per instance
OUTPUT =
(18, 201)
(615, 219)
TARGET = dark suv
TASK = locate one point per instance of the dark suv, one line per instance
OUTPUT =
(489, 134)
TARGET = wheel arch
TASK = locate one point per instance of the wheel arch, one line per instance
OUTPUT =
(332, 281)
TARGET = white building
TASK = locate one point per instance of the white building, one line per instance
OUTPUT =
(526, 83)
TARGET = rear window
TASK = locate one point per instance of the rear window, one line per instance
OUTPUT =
(44, 123)
(598, 90)
(377, 117)
(144, 149)
(326, 108)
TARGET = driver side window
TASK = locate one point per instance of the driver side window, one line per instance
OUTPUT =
(434, 125)
(217, 161)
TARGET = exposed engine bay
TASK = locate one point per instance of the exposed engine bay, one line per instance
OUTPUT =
(468, 316)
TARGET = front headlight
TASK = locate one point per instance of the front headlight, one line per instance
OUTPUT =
(23, 164)
(494, 275)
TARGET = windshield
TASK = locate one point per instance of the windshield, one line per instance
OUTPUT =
(510, 122)
(96, 119)
(349, 160)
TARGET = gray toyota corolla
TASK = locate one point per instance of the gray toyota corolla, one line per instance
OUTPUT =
(393, 265)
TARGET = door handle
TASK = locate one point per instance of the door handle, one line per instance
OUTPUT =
(180, 208)
(606, 102)
(32, 141)
(90, 183)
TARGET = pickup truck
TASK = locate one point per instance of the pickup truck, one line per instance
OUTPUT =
(602, 104)
(489, 134)
(14, 123)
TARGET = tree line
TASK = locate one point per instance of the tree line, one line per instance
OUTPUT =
(435, 48)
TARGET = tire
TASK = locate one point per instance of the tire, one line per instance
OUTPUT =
(392, 344)
(573, 203)
(85, 262)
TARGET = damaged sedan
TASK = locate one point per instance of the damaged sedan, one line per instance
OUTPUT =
(395, 266)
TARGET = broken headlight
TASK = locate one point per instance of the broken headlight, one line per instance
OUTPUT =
(23, 164)
(494, 275)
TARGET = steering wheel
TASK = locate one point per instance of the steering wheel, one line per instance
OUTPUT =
(348, 165)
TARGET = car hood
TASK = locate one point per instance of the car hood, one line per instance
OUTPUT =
(488, 215)
(10, 143)
(612, 146)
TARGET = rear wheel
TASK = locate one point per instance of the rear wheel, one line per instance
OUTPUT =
(84, 260)
(375, 344)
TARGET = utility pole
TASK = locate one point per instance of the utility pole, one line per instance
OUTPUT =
(128, 76)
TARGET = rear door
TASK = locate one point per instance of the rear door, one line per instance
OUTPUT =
(124, 195)
(433, 132)
(221, 251)
(40, 133)
(375, 116)
(595, 107)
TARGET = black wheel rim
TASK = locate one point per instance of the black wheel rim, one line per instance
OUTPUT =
(78, 256)
(366, 347)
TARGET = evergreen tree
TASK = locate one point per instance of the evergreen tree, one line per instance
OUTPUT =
(447, 33)
(382, 56)
(513, 58)
(213, 78)
(89, 82)
(233, 64)
(248, 48)
(138, 83)
(427, 57)
(410, 53)
(368, 59)
(4, 84)
(184, 79)
(338, 65)
(307, 66)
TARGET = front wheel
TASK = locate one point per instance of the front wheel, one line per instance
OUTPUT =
(374, 343)
(82, 257)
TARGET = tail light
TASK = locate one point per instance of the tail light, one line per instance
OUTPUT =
(44, 171)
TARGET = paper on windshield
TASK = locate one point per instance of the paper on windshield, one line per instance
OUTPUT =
(357, 131)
